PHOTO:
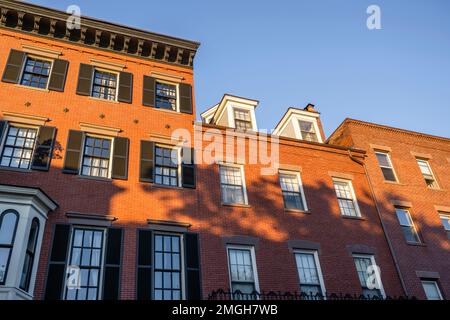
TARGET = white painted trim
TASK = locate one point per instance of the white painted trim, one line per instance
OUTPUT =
(431, 170)
(98, 129)
(253, 257)
(352, 190)
(177, 93)
(373, 262)
(318, 267)
(41, 52)
(292, 113)
(244, 187)
(300, 184)
(49, 205)
(388, 156)
(166, 76)
(24, 118)
(108, 65)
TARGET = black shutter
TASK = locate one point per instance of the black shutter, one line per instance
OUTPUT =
(185, 98)
(85, 79)
(146, 161)
(58, 76)
(43, 151)
(113, 260)
(58, 256)
(14, 66)
(125, 87)
(192, 263)
(120, 159)
(188, 168)
(144, 272)
(148, 94)
(73, 152)
(3, 126)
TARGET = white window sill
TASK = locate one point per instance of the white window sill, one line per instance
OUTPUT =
(14, 169)
(166, 110)
(31, 88)
(95, 178)
(241, 205)
(103, 100)
(353, 218)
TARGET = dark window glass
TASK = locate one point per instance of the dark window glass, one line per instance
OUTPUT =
(8, 224)
(166, 166)
(36, 73)
(386, 166)
(167, 263)
(407, 225)
(105, 85)
(18, 148)
(86, 255)
(29, 255)
(290, 188)
(166, 96)
(96, 157)
(232, 185)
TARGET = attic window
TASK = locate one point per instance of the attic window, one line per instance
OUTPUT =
(242, 119)
(308, 131)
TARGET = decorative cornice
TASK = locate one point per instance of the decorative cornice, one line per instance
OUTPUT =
(48, 203)
(51, 23)
(94, 128)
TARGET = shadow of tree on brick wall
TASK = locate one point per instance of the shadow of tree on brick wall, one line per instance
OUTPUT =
(267, 220)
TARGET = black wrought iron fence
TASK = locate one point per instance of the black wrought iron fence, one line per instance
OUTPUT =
(221, 294)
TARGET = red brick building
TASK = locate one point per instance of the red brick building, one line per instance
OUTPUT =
(99, 199)
(409, 172)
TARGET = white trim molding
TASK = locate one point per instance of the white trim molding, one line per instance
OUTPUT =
(24, 118)
(43, 52)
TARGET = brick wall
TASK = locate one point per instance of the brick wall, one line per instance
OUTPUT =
(433, 255)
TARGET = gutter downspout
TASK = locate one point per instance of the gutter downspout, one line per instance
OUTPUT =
(383, 226)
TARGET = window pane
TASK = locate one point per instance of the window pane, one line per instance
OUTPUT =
(35, 73)
(403, 217)
(86, 253)
(388, 174)
(104, 86)
(7, 228)
(383, 159)
(18, 147)
(96, 157)
(445, 222)
(4, 255)
(167, 271)
(432, 291)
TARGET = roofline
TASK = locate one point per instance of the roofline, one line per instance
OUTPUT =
(385, 127)
(326, 145)
(120, 39)
(286, 113)
(189, 43)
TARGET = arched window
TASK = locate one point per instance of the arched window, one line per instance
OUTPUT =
(8, 226)
(29, 255)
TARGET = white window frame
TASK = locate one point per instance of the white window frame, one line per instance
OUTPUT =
(182, 261)
(252, 255)
(100, 69)
(435, 283)
(244, 187)
(102, 262)
(296, 123)
(111, 152)
(300, 184)
(5, 137)
(33, 56)
(318, 267)
(444, 216)
(407, 210)
(388, 156)
(431, 170)
(355, 200)
(178, 149)
(177, 88)
(374, 263)
(251, 111)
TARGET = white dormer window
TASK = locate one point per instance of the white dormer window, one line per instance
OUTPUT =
(308, 131)
(233, 112)
(301, 124)
(242, 119)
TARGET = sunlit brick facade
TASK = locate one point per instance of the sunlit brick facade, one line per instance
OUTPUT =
(99, 200)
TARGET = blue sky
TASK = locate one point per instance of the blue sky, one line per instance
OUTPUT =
(290, 53)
